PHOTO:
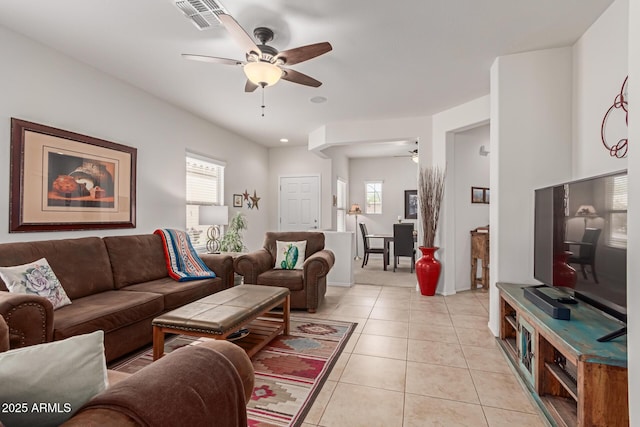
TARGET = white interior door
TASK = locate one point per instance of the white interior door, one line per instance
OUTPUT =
(299, 203)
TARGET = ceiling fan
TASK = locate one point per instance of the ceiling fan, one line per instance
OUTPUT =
(413, 154)
(264, 64)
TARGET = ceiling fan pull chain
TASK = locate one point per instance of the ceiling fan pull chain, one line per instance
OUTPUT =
(262, 106)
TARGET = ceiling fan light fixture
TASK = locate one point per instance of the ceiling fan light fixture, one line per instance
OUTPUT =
(262, 73)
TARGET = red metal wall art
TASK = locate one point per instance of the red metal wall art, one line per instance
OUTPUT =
(620, 148)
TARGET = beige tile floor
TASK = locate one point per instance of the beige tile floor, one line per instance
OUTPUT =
(418, 361)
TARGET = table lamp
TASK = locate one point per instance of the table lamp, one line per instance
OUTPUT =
(586, 211)
(215, 216)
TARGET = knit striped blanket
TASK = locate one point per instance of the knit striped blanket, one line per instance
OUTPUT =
(183, 263)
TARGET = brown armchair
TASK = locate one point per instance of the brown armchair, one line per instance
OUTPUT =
(308, 285)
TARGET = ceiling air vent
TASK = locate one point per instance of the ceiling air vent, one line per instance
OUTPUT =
(203, 13)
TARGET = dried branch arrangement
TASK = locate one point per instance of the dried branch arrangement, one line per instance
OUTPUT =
(430, 195)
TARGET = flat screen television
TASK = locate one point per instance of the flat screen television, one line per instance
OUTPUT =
(580, 243)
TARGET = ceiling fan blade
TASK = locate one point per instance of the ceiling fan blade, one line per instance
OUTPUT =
(298, 77)
(250, 86)
(304, 53)
(239, 34)
(214, 59)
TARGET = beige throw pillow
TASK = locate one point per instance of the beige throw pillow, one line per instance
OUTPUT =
(290, 255)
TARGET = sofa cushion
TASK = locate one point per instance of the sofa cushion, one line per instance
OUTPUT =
(291, 279)
(81, 265)
(62, 375)
(177, 294)
(136, 259)
(108, 311)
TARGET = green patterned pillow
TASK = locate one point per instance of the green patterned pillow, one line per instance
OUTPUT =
(35, 278)
(290, 255)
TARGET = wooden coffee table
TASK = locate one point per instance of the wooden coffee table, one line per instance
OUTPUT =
(219, 315)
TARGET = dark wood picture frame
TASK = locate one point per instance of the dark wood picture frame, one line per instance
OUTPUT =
(237, 200)
(410, 204)
(63, 181)
(480, 195)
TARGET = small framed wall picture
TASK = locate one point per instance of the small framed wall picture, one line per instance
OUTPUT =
(237, 200)
(480, 195)
(411, 204)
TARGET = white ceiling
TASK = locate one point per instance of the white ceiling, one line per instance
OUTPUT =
(405, 58)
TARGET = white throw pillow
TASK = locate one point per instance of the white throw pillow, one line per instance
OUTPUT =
(35, 278)
(45, 384)
(290, 255)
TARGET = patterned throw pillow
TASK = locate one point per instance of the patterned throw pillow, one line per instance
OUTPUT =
(35, 278)
(290, 255)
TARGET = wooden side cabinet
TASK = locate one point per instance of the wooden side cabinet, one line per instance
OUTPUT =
(480, 251)
(576, 380)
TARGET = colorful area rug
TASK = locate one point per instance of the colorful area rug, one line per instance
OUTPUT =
(290, 371)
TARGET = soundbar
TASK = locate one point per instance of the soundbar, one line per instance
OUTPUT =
(547, 304)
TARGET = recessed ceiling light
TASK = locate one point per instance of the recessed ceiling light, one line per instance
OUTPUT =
(284, 140)
(318, 99)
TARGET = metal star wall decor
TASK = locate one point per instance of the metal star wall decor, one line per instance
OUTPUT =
(254, 200)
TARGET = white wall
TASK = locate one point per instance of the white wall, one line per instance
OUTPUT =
(398, 174)
(599, 61)
(606, 53)
(298, 160)
(633, 251)
(339, 169)
(469, 216)
(530, 148)
(40, 85)
(439, 151)
(599, 68)
(340, 133)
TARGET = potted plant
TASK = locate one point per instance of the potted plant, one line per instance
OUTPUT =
(430, 195)
(232, 239)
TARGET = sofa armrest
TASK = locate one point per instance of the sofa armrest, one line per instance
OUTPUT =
(253, 264)
(210, 381)
(318, 265)
(29, 317)
(222, 265)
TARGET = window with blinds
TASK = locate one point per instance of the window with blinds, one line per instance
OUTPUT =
(616, 197)
(373, 196)
(205, 183)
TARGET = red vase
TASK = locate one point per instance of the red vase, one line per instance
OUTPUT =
(563, 273)
(428, 271)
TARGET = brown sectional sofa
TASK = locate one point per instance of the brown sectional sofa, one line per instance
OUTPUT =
(117, 284)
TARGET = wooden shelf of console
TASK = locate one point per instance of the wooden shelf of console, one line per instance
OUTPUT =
(575, 379)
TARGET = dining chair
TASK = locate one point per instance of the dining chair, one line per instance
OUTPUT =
(587, 252)
(403, 244)
(367, 246)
